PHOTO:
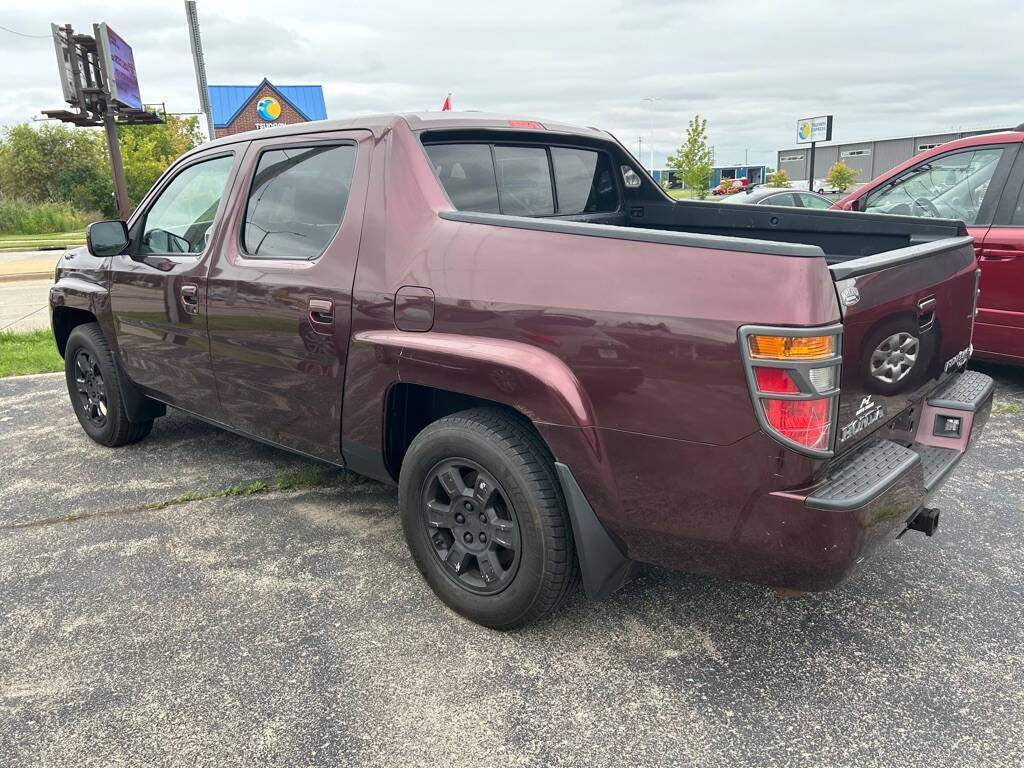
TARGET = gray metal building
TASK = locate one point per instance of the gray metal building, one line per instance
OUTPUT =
(871, 158)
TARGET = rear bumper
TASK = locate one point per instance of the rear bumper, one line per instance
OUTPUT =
(868, 496)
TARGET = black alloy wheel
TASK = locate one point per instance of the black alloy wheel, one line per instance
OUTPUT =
(92, 390)
(94, 386)
(485, 518)
(472, 526)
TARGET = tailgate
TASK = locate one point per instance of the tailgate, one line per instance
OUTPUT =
(908, 316)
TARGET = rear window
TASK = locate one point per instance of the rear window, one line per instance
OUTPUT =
(584, 181)
(525, 180)
(466, 171)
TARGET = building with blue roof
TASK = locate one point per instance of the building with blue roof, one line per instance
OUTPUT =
(239, 108)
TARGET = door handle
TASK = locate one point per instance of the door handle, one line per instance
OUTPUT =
(190, 299)
(321, 311)
(1000, 254)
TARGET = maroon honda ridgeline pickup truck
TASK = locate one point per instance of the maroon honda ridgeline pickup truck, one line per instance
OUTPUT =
(565, 371)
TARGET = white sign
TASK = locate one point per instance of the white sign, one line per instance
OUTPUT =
(814, 129)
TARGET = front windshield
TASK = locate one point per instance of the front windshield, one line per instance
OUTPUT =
(952, 186)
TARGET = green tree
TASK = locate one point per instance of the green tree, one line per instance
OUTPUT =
(778, 179)
(147, 150)
(55, 163)
(841, 176)
(693, 160)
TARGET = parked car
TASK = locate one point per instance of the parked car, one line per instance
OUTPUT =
(780, 196)
(979, 180)
(563, 370)
(734, 186)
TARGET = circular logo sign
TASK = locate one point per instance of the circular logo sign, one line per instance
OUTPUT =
(804, 129)
(268, 109)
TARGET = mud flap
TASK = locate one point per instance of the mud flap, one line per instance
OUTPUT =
(603, 566)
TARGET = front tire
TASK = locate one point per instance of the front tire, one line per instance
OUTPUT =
(95, 390)
(485, 518)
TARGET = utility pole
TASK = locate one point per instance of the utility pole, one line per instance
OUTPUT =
(200, 65)
(651, 99)
(640, 148)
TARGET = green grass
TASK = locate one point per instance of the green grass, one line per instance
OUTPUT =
(1008, 408)
(28, 352)
(22, 217)
(292, 481)
(38, 242)
(687, 194)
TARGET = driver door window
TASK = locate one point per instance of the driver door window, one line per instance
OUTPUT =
(181, 219)
(952, 186)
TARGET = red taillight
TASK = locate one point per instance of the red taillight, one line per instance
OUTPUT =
(805, 422)
(775, 380)
(543, 338)
(792, 375)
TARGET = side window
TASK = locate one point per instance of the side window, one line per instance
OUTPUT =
(466, 172)
(1017, 217)
(784, 198)
(517, 180)
(524, 181)
(297, 201)
(181, 218)
(952, 186)
(583, 181)
(813, 201)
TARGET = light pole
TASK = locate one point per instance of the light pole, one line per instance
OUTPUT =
(650, 143)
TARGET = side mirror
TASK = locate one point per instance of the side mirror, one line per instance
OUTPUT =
(106, 238)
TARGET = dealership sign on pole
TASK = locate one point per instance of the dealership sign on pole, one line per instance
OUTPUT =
(811, 130)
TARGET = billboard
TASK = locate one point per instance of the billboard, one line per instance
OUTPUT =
(66, 63)
(119, 69)
(811, 129)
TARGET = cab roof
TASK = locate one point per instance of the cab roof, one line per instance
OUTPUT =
(417, 121)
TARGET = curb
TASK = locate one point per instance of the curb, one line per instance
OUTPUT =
(20, 276)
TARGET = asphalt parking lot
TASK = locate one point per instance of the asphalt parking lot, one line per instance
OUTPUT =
(289, 627)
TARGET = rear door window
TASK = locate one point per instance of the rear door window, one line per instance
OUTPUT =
(297, 201)
(524, 181)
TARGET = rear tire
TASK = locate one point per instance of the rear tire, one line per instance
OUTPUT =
(95, 389)
(501, 554)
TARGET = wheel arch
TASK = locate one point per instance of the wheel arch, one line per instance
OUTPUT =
(64, 320)
(435, 374)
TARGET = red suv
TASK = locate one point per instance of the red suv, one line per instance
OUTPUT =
(979, 180)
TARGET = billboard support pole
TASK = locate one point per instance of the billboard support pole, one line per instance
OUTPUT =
(124, 207)
(810, 170)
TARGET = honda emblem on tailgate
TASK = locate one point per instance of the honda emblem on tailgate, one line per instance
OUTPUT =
(867, 414)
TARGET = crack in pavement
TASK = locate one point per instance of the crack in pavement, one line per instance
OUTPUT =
(294, 483)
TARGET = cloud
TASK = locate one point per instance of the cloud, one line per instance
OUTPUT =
(752, 68)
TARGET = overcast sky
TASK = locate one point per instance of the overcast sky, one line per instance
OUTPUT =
(751, 67)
